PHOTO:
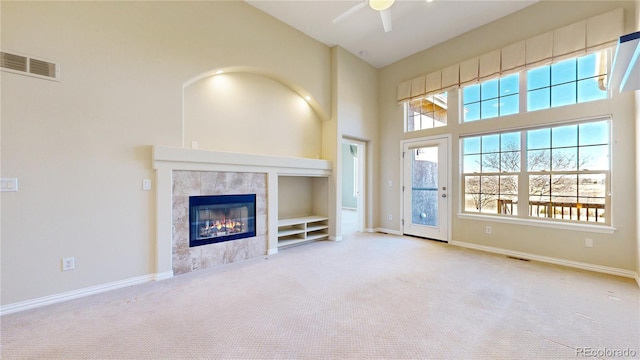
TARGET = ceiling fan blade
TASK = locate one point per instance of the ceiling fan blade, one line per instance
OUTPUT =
(350, 12)
(385, 15)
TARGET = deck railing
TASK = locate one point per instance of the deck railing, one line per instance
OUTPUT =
(557, 210)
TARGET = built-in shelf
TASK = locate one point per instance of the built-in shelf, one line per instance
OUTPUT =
(300, 230)
(625, 70)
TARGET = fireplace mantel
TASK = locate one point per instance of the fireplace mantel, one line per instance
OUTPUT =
(168, 159)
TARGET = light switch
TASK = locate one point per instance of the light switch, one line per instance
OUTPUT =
(9, 184)
(146, 184)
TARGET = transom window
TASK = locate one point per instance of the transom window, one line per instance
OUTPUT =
(426, 113)
(571, 81)
(559, 172)
(496, 97)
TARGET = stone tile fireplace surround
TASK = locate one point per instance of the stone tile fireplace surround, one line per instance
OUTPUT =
(181, 173)
(196, 183)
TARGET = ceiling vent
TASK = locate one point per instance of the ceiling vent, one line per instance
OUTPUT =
(25, 65)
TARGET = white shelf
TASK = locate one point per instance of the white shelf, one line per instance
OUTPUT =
(299, 230)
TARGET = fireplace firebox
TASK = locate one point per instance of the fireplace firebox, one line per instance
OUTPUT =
(218, 218)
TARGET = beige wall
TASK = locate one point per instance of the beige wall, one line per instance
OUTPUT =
(80, 147)
(250, 113)
(617, 250)
(356, 109)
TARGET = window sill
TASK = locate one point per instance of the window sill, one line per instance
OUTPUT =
(603, 229)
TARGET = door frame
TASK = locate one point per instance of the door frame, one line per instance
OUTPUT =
(449, 167)
(360, 179)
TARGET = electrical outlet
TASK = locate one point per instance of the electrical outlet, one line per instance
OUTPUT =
(588, 242)
(488, 230)
(390, 217)
(68, 263)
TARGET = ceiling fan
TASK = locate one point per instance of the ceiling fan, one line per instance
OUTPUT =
(382, 6)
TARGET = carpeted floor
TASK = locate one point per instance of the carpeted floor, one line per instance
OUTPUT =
(371, 296)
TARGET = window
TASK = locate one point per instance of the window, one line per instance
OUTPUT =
(496, 97)
(565, 169)
(567, 82)
(491, 165)
(572, 81)
(427, 113)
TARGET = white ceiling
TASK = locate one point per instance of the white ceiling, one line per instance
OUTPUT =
(417, 24)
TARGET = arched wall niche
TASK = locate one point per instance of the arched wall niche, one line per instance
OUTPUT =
(249, 111)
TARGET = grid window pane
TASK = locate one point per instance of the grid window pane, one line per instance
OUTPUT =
(471, 93)
(510, 161)
(510, 141)
(471, 163)
(589, 66)
(509, 105)
(491, 143)
(564, 159)
(491, 162)
(538, 160)
(539, 139)
(564, 136)
(591, 188)
(509, 85)
(539, 78)
(472, 202)
(594, 157)
(563, 72)
(472, 112)
(509, 185)
(590, 90)
(489, 108)
(489, 89)
(539, 99)
(562, 95)
(594, 133)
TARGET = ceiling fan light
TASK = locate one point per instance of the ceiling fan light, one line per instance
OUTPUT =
(380, 4)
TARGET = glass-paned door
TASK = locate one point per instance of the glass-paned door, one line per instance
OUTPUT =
(426, 204)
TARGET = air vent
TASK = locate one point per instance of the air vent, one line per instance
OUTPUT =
(28, 66)
(43, 68)
(13, 62)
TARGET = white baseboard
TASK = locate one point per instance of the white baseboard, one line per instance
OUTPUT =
(75, 294)
(369, 230)
(163, 276)
(335, 238)
(638, 279)
(272, 251)
(551, 260)
(389, 231)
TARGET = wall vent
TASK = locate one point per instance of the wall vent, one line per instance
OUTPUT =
(25, 65)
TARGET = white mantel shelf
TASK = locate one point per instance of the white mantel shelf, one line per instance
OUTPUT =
(196, 159)
(166, 159)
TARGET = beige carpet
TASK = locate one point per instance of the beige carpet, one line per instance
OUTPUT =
(371, 296)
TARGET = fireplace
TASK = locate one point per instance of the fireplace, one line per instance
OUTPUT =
(218, 218)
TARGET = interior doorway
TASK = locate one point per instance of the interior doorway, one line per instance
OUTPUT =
(353, 174)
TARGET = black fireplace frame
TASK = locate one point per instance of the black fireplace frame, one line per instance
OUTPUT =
(195, 201)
